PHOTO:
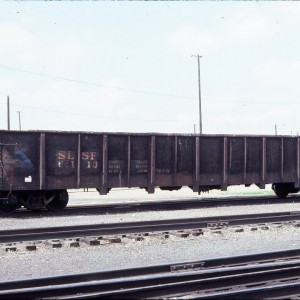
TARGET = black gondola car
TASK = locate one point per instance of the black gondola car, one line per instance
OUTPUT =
(38, 167)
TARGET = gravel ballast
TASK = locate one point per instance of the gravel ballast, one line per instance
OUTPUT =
(152, 250)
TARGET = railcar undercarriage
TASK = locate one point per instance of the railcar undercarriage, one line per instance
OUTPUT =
(33, 200)
(58, 199)
(283, 189)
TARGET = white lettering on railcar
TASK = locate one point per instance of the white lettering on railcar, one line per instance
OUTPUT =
(163, 171)
(141, 166)
(89, 159)
(114, 166)
(65, 159)
(28, 179)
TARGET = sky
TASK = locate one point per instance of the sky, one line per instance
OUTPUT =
(120, 66)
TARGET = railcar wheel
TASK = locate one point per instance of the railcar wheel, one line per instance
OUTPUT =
(9, 203)
(60, 200)
(281, 190)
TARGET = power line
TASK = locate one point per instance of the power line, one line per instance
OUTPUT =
(94, 83)
(97, 116)
(243, 103)
(140, 91)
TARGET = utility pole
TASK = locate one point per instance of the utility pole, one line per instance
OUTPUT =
(8, 114)
(200, 113)
(275, 129)
(19, 112)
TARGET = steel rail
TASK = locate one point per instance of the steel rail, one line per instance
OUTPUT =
(165, 280)
(204, 288)
(279, 290)
(36, 234)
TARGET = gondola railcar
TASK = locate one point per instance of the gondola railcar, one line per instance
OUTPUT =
(38, 167)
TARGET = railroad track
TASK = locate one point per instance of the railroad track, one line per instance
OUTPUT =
(263, 275)
(148, 205)
(97, 233)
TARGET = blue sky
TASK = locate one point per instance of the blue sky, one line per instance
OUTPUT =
(127, 66)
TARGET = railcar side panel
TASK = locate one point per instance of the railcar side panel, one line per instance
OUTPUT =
(117, 152)
(185, 160)
(91, 167)
(165, 160)
(139, 158)
(289, 159)
(211, 161)
(19, 156)
(273, 161)
(61, 160)
(236, 160)
(253, 160)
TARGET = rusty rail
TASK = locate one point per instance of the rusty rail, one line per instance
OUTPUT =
(34, 234)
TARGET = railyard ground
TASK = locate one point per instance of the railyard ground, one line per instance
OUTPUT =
(47, 262)
(81, 197)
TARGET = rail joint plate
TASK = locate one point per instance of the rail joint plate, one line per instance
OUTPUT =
(188, 267)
